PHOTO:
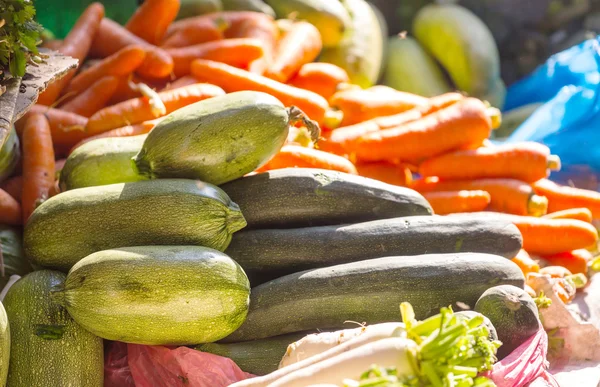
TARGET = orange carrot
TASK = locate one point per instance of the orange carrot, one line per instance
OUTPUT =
(526, 161)
(258, 26)
(528, 288)
(235, 52)
(233, 79)
(94, 98)
(291, 156)
(125, 131)
(507, 195)
(525, 263)
(151, 20)
(10, 209)
(38, 163)
(362, 105)
(450, 202)
(564, 197)
(67, 128)
(321, 78)
(53, 44)
(581, 213)
(205, 29)
(464, 122)
(137, 110)
(14, 187)
(556, 271)
(387, 172)
(121, 63)
(336, 140)
(181, 82)
(112, 37)
(298, 46)
(76, 44)
(575, 261)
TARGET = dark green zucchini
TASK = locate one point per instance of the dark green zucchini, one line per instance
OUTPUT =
(285, 251)
(300, 197)
(11, 245)
(258, 357)
(371, 291)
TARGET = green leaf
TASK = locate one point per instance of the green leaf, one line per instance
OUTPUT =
(17, 65)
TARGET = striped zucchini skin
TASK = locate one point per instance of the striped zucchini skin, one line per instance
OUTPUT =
(4, 345)
(77, 223)
(370, 291)
(285, 251)
(302, 197)
(157, 295)
(48, 348)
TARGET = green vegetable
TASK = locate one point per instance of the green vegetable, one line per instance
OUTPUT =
(77, 223)
(283, 251)
(10, 154)
(157, 295)
(513, 313)
(19, 35)
(248, 5)
(48, 348)
(101, 162)
(219, 139)
(370, 291)
(4, 345)
(13, 258)
(191, 8)
(299, 197)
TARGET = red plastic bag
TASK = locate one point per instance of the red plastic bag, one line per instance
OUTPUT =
(526, 365)
(157, 366)
(116, 367)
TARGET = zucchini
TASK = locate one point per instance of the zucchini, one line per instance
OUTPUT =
(202, 294)
(5, 345)
(513, 313)
(11, 245)
(48, 348)
(248, 5)
(101, 162)
(191, 8)
(219, 139)
(298, 197)
(285, 251)
(370, 291)
(77, 223)
(258, 357)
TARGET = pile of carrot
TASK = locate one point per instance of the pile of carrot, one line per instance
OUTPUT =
(130, 76)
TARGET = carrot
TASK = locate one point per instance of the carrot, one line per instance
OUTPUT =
(507, 195)
(564, 197)
(125, 90)
(67, 128)
(526, 161)
(10, 209)
(53, 44)
(232, 79)
(556, 271)
(449, 202)
(582, 214)
(93, 99)
(181, 82)
(575, 261)
(235, 52)
(291, 156)
(121, 63)
(112, 37)
(38, 163)
(125, 131)
(361, 105)
(137, 110)
(151, 20)
(336, 140)
(321, 78)
(76, 44)
(298, 46)
(464, 122)
(387, 172)
(205, 29)
(256, 25)
(525, 263)
(14, 187)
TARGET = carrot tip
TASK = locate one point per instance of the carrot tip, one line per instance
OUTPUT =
(495, 115)
(554, 163)
(538, 205)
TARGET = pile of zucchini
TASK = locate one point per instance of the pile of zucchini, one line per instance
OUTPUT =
(168, 240)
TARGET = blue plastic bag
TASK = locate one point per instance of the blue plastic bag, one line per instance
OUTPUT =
(569, 121)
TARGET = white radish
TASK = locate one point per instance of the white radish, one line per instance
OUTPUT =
(374, 333)
(316, 343)
(390, 352)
